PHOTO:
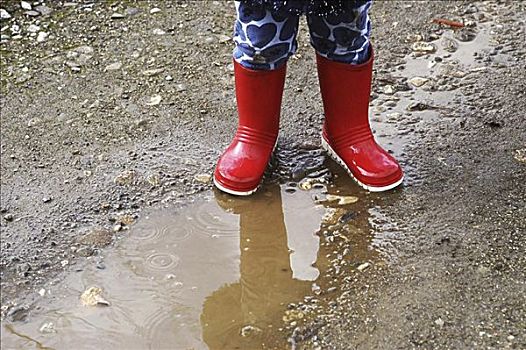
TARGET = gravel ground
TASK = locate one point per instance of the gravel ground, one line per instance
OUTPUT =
(105, 109)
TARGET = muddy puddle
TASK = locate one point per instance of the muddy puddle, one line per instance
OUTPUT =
(218, 274)
(426, 87)
(229, 273)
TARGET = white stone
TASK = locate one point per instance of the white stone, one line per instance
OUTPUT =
(422, 46)
(114, 66)
(25, 5)
(418, 81)
(4, 14)
(363, 266)
(33, 28)
(389, 90)
(154, 100)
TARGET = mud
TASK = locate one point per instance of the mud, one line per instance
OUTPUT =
(111, 123)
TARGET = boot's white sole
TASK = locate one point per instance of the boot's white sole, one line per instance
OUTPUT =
(232, 192)
(340, 161)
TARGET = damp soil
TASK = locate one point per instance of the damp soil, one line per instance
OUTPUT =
(111, 127)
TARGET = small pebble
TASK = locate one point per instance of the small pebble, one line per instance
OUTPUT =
(363, 266)
(25, 5)
(117, 16)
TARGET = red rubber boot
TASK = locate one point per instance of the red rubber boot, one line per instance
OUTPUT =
(347, 135)
(240, 169)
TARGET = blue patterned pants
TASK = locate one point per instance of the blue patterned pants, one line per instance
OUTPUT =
(265, 39)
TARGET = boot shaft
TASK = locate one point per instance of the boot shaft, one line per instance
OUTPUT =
(258, 95)
(345, 90)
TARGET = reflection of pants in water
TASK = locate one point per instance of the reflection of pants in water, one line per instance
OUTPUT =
(265, 38)
(266, 277)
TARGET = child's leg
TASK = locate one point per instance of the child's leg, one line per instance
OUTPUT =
(343, 37)
(264, 39)
(345, 63)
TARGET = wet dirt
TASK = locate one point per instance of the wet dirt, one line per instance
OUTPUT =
(126, 191)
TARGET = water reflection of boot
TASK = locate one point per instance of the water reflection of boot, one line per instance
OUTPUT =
(266, 285)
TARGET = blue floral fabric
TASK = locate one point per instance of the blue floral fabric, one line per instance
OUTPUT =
(313, 7)
(265, 36)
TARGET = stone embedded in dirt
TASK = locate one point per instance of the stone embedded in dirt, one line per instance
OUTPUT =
(439, 322)
(4, 14)
(520, 155)
(116, 15)
(47, 199)
(423, 47)
(98, 238)
(8, 217)
(113, 66)
(158, 31)
(153, 72)
(44, 10)
(25, 5)
(155, 10)
(388, 89)
(459, 74)
(363, 266)
(153, 179)
(93, 297)
(132, 11)
(224, 38)
(418, 81)
(125, 178)
(154, 100)
(203, 178)
(42, 36)
(32, 13)
(87, 50)
(419, 106)
(180, 87)
(33, 28)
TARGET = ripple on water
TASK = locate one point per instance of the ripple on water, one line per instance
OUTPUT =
(156, 228)
(170, 326)
(210, 220)
(162, 261)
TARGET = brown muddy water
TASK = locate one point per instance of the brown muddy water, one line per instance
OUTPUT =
(229, 273)
(218, 274)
